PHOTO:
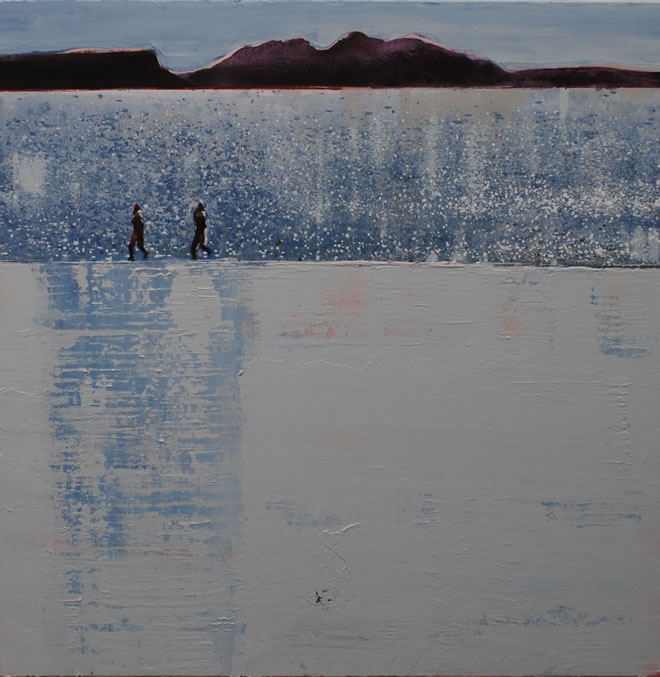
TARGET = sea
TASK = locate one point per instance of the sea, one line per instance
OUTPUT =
(539, 177)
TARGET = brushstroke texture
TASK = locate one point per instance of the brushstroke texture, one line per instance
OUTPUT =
(146, 424)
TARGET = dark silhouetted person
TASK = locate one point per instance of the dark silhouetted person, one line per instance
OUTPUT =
(199, 216)
(138, 234)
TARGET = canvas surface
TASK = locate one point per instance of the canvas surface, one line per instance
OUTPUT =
(402, 421)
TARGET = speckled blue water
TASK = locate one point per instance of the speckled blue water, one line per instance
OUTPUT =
(566, 177)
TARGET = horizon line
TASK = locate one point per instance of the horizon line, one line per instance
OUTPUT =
(403, 2)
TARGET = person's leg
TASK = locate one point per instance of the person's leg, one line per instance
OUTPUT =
(140, 244)
(195, 242)
(202, 241)
(131, 247)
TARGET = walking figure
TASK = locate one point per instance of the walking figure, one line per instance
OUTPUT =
(138, 234)
(199, 216)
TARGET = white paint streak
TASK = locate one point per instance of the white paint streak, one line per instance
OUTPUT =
(342, 530)
(563, 103)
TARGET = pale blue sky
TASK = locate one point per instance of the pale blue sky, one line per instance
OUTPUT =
(189, 33)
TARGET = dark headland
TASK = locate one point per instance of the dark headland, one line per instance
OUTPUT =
(355, 60)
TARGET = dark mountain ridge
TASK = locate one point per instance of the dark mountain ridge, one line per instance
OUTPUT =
(355, 60)
(86, 69)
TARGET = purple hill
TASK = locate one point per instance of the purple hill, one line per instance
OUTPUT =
(585, 76)
(353, 61)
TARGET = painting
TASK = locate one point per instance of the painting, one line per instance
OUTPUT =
(328, 337)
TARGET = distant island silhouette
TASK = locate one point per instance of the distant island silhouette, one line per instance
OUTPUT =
(355, 60)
